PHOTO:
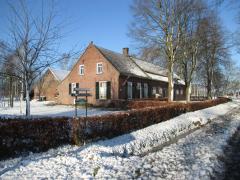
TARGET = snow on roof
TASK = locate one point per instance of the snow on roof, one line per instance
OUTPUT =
(180, 81)
(158, 77)
(59, 73)
(150, 67)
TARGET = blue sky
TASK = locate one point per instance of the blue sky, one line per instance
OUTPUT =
(105, 22)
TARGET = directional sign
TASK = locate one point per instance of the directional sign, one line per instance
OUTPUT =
(84, 93)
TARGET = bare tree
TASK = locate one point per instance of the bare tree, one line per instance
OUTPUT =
(190, 42)
(159, 22)
(154, 54)
(33, 41)
(231, 83)
(65, 62)
(213, 49)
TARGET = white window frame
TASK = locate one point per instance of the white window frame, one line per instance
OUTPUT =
(145, 85)
(102, 90)
(72, 88)
(154, 90)
(139, 86)
(97, 68)
(181, 91)
(129, 93)
(177, 91)
(160, 91)
(81, 69)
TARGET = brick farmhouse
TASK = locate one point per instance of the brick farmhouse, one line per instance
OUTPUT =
(112, 76)
(47, 85)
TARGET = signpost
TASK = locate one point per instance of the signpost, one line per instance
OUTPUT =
(81, 92)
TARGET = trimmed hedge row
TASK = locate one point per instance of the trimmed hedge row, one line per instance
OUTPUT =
(19, 136)
(111, 125)
(136, 103)
(32, 135)
(146, 103)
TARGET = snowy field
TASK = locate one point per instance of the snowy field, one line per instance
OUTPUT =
(46, 108)
(143, 153)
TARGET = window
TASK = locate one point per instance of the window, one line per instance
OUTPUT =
(129, 90)
(102, 90)
(177, 92)
(154, 90)
(81, 69)
(181, 91)
(160, 90)
(145, 90)
(139, 87)
(73, 87)
(99, 68)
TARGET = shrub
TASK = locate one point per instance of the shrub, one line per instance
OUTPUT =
(19, 135)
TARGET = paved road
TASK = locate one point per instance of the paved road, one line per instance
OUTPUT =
(197, 156)
(232, 158)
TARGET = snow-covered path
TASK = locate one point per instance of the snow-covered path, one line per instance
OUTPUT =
(194, 157)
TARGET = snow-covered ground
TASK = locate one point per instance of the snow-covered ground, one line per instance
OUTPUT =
(132, 155)
(46, 108)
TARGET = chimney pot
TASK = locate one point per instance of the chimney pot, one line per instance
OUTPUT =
(125, 51)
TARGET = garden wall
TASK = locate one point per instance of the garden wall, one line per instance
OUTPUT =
(21, 135)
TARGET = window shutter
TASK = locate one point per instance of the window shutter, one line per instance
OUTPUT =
(108, 90)
(142, 86)
(134, 87)
(97, 90)
(77, 86)
(126, 90)
(70, 88)
(150, 89)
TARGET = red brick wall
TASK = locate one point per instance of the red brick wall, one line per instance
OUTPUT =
(49, 87)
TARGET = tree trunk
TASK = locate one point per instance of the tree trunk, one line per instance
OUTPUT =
(39, 95)
(209, 90)
(11, 92)
(170, 82)
(27, 99)
(188, 92)
(21, 97)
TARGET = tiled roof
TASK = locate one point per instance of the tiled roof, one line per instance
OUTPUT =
(128, 65)
(59, 73)
(123, 64)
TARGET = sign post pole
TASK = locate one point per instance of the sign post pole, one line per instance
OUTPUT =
(86, 104)
(75, 105)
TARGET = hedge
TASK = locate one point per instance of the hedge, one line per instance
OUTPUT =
(18, 136)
